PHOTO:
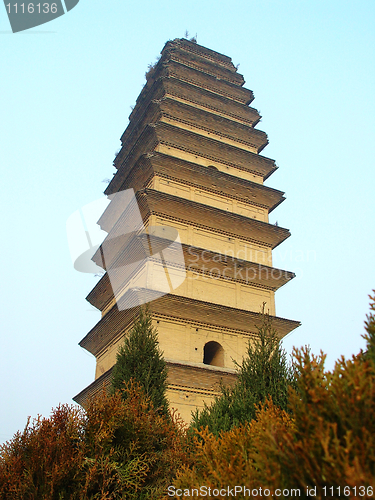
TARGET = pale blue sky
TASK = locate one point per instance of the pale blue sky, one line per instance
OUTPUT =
(66, 92)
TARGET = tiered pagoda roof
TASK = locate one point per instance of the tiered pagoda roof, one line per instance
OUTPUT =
(191, 153)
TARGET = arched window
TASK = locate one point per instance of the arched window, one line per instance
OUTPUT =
(213, 354)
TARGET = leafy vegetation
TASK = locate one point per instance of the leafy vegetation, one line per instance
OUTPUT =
(326, 439)
(264, 373)
(317, 432)
(139, 359)
(118, 448)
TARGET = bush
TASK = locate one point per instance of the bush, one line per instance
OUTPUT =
(264, 373)
(134, 450)
(370, 329)
(43, 461)
(327, 440)
(235, 457)
(118, 449)
(140, 359)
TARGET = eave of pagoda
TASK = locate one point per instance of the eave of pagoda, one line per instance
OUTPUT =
(176, 141)
(208, 179)
(212, 149)
(207, 380)
(191, 311)
(198, 97)
(198, 79)
(210, 265)
(197, 120)
(102, 383)
(204, 53)
(206, 81)
(173, 208)
(201, 64)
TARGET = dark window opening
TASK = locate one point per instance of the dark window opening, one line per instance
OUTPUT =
(213, 354)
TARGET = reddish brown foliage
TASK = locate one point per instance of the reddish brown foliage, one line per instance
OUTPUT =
(117, 449)
(45, 458)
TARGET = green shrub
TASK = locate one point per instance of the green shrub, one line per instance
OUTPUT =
(327, 440)
(264, 373)
(140, 359)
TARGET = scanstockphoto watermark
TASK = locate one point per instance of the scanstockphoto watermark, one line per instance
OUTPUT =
(206, 264)
(240, 272)
(108, 238)
(247, 263)
(142, 263)
(254, 253)
(234, 491)
(24, 15)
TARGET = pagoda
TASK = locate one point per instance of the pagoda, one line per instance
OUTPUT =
(191, 153)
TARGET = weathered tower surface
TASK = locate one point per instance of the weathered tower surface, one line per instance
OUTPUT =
(191, 153)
